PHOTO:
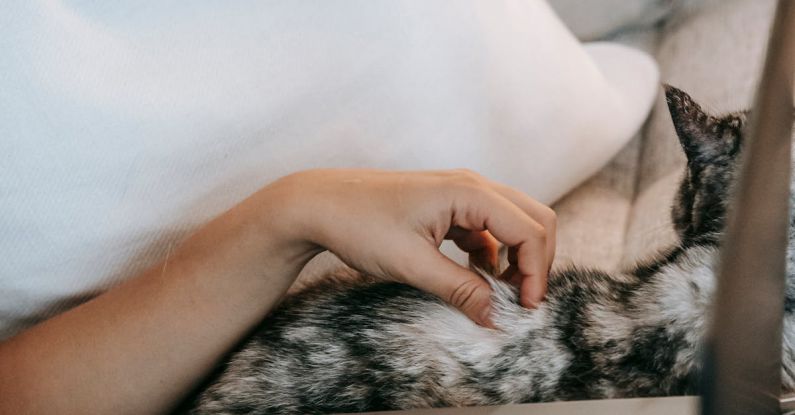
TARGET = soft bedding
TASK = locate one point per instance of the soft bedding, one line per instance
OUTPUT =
(125, 126)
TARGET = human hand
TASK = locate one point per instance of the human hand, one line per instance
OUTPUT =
(390, 225)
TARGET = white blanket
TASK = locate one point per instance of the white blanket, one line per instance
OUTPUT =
(125, 126)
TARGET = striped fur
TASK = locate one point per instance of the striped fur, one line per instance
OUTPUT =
(360, 345)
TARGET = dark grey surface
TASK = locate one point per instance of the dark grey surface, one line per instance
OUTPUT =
(743, 365)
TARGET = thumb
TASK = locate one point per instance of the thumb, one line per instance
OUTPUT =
(458, 286)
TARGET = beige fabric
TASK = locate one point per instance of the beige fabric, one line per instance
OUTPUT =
(681, 405)
(593, 217)
(715, 55)
(649, 227)
(622, 214)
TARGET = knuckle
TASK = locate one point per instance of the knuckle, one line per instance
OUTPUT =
(462, 183)
(538, 232)
(551, 215)
(550, 218)
(463, 293)
(467, 177)
(466, 172)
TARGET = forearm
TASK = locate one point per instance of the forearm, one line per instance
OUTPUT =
(141, 346)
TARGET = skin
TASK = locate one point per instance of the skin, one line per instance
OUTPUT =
(142, 346)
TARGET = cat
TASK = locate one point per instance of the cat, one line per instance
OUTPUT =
(362, 345)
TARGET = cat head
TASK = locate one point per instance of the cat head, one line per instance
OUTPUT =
(712, 145)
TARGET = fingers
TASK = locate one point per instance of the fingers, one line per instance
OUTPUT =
(509, 224)
(483, 249)
(532, 291)
(458, 286)
(538, 211)
(519, 222)
(470, 241)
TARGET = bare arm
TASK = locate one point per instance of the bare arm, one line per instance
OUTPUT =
(141, 346)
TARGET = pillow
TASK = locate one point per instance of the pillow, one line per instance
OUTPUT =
(126, 126)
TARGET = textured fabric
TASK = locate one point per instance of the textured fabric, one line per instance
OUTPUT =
(716, 55)
(713, 50)
(598, 19)
(126, 126)
(608, 19)
(593, 218)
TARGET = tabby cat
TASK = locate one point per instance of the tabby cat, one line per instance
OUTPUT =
(364, 345)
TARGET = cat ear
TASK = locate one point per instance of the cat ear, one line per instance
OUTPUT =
(703, 137)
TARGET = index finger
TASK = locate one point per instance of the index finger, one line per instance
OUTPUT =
(540, 212)
(490, 210)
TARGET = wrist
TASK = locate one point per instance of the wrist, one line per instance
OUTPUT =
(284, 220)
